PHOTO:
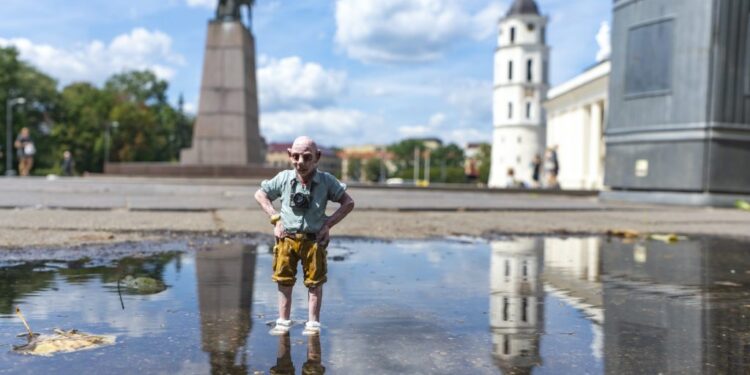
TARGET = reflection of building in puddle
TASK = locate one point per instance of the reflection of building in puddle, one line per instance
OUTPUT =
(571, 274)
(676, 308)
(516, 303)
(284, 364)
(225, 277)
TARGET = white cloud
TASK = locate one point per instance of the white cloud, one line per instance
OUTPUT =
(190, 108)
(95, 61)
(330, 126)
(437, 119)
(604, 42)
(473, 101)
(290, 83)
(433, 128)
(210, 4)
(407, 30)
(465, 136)
(485, 22)
(415, 131)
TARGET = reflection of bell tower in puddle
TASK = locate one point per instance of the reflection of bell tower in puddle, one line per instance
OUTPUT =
(225, 275)
(516, 303)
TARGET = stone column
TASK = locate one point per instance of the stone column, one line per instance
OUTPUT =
(594, 177)
(226, 131)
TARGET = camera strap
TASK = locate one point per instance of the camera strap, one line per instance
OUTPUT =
(295, 182)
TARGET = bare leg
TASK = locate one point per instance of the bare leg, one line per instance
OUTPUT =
(285, 301)
(314, 299)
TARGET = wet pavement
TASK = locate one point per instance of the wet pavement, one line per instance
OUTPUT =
(578, 305)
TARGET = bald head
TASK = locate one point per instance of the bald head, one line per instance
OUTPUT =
(305, 143)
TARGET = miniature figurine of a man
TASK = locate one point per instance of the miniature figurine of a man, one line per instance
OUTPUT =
(302, 228)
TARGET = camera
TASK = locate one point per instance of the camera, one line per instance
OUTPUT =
(300, 200)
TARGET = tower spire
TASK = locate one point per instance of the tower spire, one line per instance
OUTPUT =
(523, 7)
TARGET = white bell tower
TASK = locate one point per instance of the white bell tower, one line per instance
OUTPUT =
(520, 87)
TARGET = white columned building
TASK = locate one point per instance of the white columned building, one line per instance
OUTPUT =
(576, 119)
(520, 87)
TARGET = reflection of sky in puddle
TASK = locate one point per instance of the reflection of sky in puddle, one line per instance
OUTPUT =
(576, 305)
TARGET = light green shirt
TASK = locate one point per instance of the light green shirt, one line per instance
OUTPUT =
(324, 187)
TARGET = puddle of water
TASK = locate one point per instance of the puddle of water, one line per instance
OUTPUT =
(551, 305)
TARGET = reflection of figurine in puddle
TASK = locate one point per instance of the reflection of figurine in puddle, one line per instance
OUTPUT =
(284, 365)
(314, 365)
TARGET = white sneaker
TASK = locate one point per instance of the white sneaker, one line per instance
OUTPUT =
(282, 326)
(311, 329)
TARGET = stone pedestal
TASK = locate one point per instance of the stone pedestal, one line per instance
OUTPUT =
(226, 131)
(679, 120)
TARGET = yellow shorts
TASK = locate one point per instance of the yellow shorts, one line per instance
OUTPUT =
(289, 251)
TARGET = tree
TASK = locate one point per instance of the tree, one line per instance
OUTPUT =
(484, 157)
(150, 129)
(20, 79)
(448, 162)
(403, 156)
(139, 87)
(354, 169)
(76, 118)
(80, 129)
(373, 169)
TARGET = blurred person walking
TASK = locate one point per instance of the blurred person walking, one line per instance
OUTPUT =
(68, 164)
(25, 148)
(551, 168)
(536, 172)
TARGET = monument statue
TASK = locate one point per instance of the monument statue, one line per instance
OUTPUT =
(226, 130)
(229, 10)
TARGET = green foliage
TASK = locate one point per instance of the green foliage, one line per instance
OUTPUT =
(77, 117)
(446, 162)
(354, 169)
(19, 79)
(373, 168)
(138, 87)
(81, 127)
(403, 154)
(485, 160)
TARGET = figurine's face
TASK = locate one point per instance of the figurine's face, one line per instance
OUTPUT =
(304, 156)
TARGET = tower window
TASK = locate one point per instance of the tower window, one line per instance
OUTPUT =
(530, 26)
(524, 309)
(505, 309)
(506, 345)
(510, 70)
(528, 110)
(512, 35)
(529, 66)
(510, 110)
(507, 268)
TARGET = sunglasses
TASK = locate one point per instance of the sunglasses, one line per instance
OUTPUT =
(305, 157)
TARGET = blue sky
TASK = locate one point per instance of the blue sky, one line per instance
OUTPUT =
(346, 72)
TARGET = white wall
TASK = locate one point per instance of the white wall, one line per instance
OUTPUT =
(576, 118)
